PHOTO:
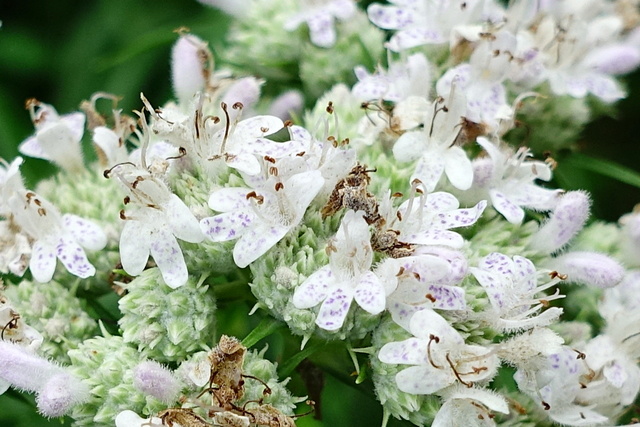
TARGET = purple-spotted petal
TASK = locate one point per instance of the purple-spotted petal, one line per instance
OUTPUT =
(227, 226)
(441, 202)
(429, 170)
(459, 217)
(229, 199)
(314, 290)
(369, 294)
(447, 297)
(321, 29)
(167, 254)
(493, 284)
(524, 272)
(244, 162)
(334, 309)
(423, 379)
(86, 232)
(255, 242)
(412, 351)
(72, 256)
(497, 263)
(412, 37)
(390, 17)
(435, 237)
(512, 212)
(43, 261)
(32, 148)
(256, 127)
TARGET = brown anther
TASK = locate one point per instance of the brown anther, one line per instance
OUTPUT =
(330, 107)
(269, 159)
(430, 297)
(122, 215)
(554, 274)
(480, 417)
(432, 338)
(544, 303)
(300, 154)
(42, 212)
(273, 171)
(237, 106)
(399, 215)
(545, 405)
(345, 141)
(31, 102)
(264, 130)
(127, 199)
(397, 194)
(251, 195)
(37, 202)
(30, 195)
(400, 272)
(582, 385)
(279, 186)
(581, 355)
(416, 275)
(288, 123)
(182, 152)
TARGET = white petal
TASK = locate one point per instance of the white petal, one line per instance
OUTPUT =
(71, 254)
(244, 162)
(334, 309)
(427, 322)
(32, 148)
(229, 199)
(409, 146)
(256, 127)
(390, 17)
(255, 242)
(167, 254)
(458, 168)
(369, 294)
(447, 297)
(135, 241)
(266, 147)
(183, 223)
(412, 37)
(321, 29)
(227, 226)
(412, 351)
(441, 202)
(75, 123)
(303, 188)
(494, 284)
(43, 261)
(424, 379)
(86, 232)
(511, 212)
(313, 290)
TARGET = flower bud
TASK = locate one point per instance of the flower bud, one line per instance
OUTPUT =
(155, 380)
(188, 72)
(60, 394)
(590, 268)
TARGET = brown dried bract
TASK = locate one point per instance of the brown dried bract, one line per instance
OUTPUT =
(182, 416)
(266, 415)
(351, 193)
(225, 382)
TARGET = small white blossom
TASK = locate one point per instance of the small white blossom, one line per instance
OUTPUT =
(438, 355)
(57, 138)
(320, 16)
(260, 218)
(347, 277)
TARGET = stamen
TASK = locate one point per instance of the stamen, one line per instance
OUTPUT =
(432, 338)
(468, 384)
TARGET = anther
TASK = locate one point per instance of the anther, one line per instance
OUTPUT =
(122, 215)
(432, 338)
(330, 107)
(127, 199)
(42, 212)
(269, 159)
(279, 186)
(237, 106)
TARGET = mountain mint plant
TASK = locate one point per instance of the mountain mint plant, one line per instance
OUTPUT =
(347, 180)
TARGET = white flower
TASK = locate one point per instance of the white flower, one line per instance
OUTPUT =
(51, 233)
(434, 147)
(408, 78)
(427, 219)
(260, 218)
(473, 405)
(438, 355)
(420, 22)
(153, 221)
(347, 276)
(57, 138)
(508, 180)
(511, 285)
(129, 418)
(319, 16)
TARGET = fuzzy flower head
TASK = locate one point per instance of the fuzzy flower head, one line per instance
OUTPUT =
(154, 219)
(347, 277)
(57, 138)
(320, 16)
(260, 217)
(438, 357)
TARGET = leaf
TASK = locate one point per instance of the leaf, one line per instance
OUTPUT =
(286, 368)
(604, 167)
(266, 327)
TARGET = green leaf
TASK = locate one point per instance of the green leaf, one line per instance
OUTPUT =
(604, 167)
(286, 368)
(266, 327)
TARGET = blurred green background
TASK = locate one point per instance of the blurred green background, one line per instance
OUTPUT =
(63, 51)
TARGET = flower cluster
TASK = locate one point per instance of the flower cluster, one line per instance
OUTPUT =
(400, 217)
